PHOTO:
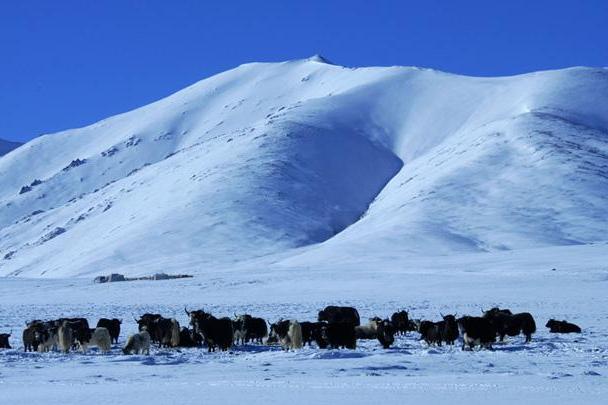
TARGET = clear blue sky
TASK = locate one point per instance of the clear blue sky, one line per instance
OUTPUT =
(65, 64)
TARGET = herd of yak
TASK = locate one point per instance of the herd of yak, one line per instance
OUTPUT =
(336, 327)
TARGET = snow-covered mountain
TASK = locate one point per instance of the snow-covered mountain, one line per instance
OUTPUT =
(305, 162)
(7, 146)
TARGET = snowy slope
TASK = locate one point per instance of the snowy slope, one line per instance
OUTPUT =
(306, 162)
(7, 146)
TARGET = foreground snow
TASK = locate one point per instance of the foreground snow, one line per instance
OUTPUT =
(563, 283)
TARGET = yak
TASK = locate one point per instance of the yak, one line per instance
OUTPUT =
(80, 328)
(562, 327)
(430, 332)
(311, 331)
(476, 331)
(30, 343)
(188, 338)
(385, 332)
(339, 335)
(113, 327)
(166, 332)
(46, 335)
(65, 336)
(100, 337)
(332, 314)
(148, 323)
(448, 329)
(248, 328)
(215, 332)
(138, 343)
(288, 333)
(400, 321)
(4, 343)
(507, 323)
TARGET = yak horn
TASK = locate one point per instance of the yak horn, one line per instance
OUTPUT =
(185, 309)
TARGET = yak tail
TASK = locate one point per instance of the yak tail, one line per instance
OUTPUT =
(65, 337)
(174, 333)
(295, 334)
(532, 325)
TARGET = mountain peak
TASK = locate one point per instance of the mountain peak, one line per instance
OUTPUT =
(320, 59)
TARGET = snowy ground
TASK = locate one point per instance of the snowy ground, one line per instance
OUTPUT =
(563, 283)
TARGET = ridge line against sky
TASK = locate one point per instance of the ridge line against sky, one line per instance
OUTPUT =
(69, 63)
